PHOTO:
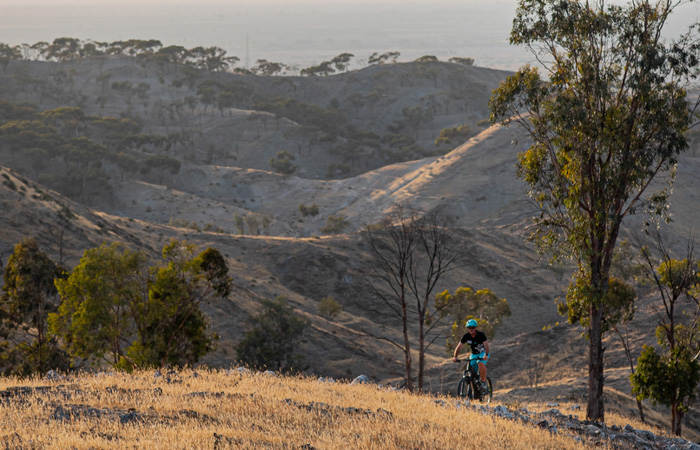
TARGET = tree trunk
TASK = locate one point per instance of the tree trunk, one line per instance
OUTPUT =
(641, 411)
(676, 419)
(421, 352)
(407, 348)
(596, 407)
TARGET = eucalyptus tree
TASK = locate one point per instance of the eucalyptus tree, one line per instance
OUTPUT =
(7, 54)
(28, 297)
(117, 308)
(607, 117)
(671, 376)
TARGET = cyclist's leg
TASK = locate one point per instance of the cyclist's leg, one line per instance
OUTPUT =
(482, 371)
(476, 360)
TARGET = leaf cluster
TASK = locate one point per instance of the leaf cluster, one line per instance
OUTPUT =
(117, 308)
(272, 337)
(483, 305)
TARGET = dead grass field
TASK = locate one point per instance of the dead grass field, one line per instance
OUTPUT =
(231, 409)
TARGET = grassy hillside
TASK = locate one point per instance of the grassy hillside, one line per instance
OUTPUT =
(225, 194)
(238, 409)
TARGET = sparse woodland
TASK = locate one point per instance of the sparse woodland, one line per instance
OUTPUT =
(168, 209)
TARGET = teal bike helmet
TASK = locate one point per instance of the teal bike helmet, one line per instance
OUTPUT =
(471, 323)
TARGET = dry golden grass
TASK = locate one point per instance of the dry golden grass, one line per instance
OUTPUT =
(228, 409)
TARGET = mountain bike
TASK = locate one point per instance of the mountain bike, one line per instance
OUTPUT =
(467, 386)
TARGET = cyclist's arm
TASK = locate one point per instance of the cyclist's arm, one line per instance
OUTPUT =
(457, 350)
(487, 348)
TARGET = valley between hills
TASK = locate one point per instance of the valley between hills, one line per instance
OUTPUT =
(226, 193)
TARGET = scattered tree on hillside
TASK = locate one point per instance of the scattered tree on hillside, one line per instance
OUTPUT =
(608, 119)
(461, 60)
(226, 100)
(466, 303)
(411, 252)
(426, 58)
(357, 100)
(329, 307)
(272, 338)
(308, 210)
(162, 164)
(323, 69)
(412, 118)
(342, 61)
(454, 135)
(335, 224)
(7, 54)
(267, 68)
(28, 297)
(126, 163)
(671, 376)
(376, 58)
(282, 163)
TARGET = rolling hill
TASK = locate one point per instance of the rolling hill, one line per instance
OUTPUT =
(231, 199)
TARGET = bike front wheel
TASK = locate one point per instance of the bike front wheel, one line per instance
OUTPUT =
(464, 389)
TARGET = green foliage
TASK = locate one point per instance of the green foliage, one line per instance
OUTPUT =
(412, 118)
(118, 309)
(461, 60)
(671, 377)
(282, 163)
(625, 263)
(604, 122)
(336, 170)
(150, 50)
(162, 164)
(466, 303)
(668, 379)
(335, 225)
(308, 210)
(272, 338)
(173, 330)
(618, 304)
(329, 120)
(31, 358)
(342, 61)
(329, 307)
(427, 58)
(325, 68)
(240, 223)
(96, 299)
(29, 295)
(454, 135)
(376, 58)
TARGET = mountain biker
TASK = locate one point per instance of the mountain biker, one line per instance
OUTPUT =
(480, 350)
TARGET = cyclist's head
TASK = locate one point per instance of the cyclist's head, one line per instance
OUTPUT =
(471, 324)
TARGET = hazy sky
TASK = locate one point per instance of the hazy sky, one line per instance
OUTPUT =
(300, 32)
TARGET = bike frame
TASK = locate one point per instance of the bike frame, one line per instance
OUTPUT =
(469, 376)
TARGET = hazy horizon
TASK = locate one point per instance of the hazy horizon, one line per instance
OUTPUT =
(296, 33)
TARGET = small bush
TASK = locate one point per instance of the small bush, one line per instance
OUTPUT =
(329, 307)
(308, 210)
(335, 225)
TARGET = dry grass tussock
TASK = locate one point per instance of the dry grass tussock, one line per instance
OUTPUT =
(231, 409)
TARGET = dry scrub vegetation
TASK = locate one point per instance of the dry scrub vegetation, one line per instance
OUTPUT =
(231, 409)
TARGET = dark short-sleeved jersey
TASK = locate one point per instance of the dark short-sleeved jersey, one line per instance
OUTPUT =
(476, 342)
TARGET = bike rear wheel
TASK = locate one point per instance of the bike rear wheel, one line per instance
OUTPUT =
(490, 394)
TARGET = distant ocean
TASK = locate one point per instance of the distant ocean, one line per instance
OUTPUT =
(288, 32)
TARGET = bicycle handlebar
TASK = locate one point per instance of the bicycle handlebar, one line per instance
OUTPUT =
(470, 359)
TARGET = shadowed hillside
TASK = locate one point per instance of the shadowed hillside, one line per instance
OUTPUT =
(225, 194)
